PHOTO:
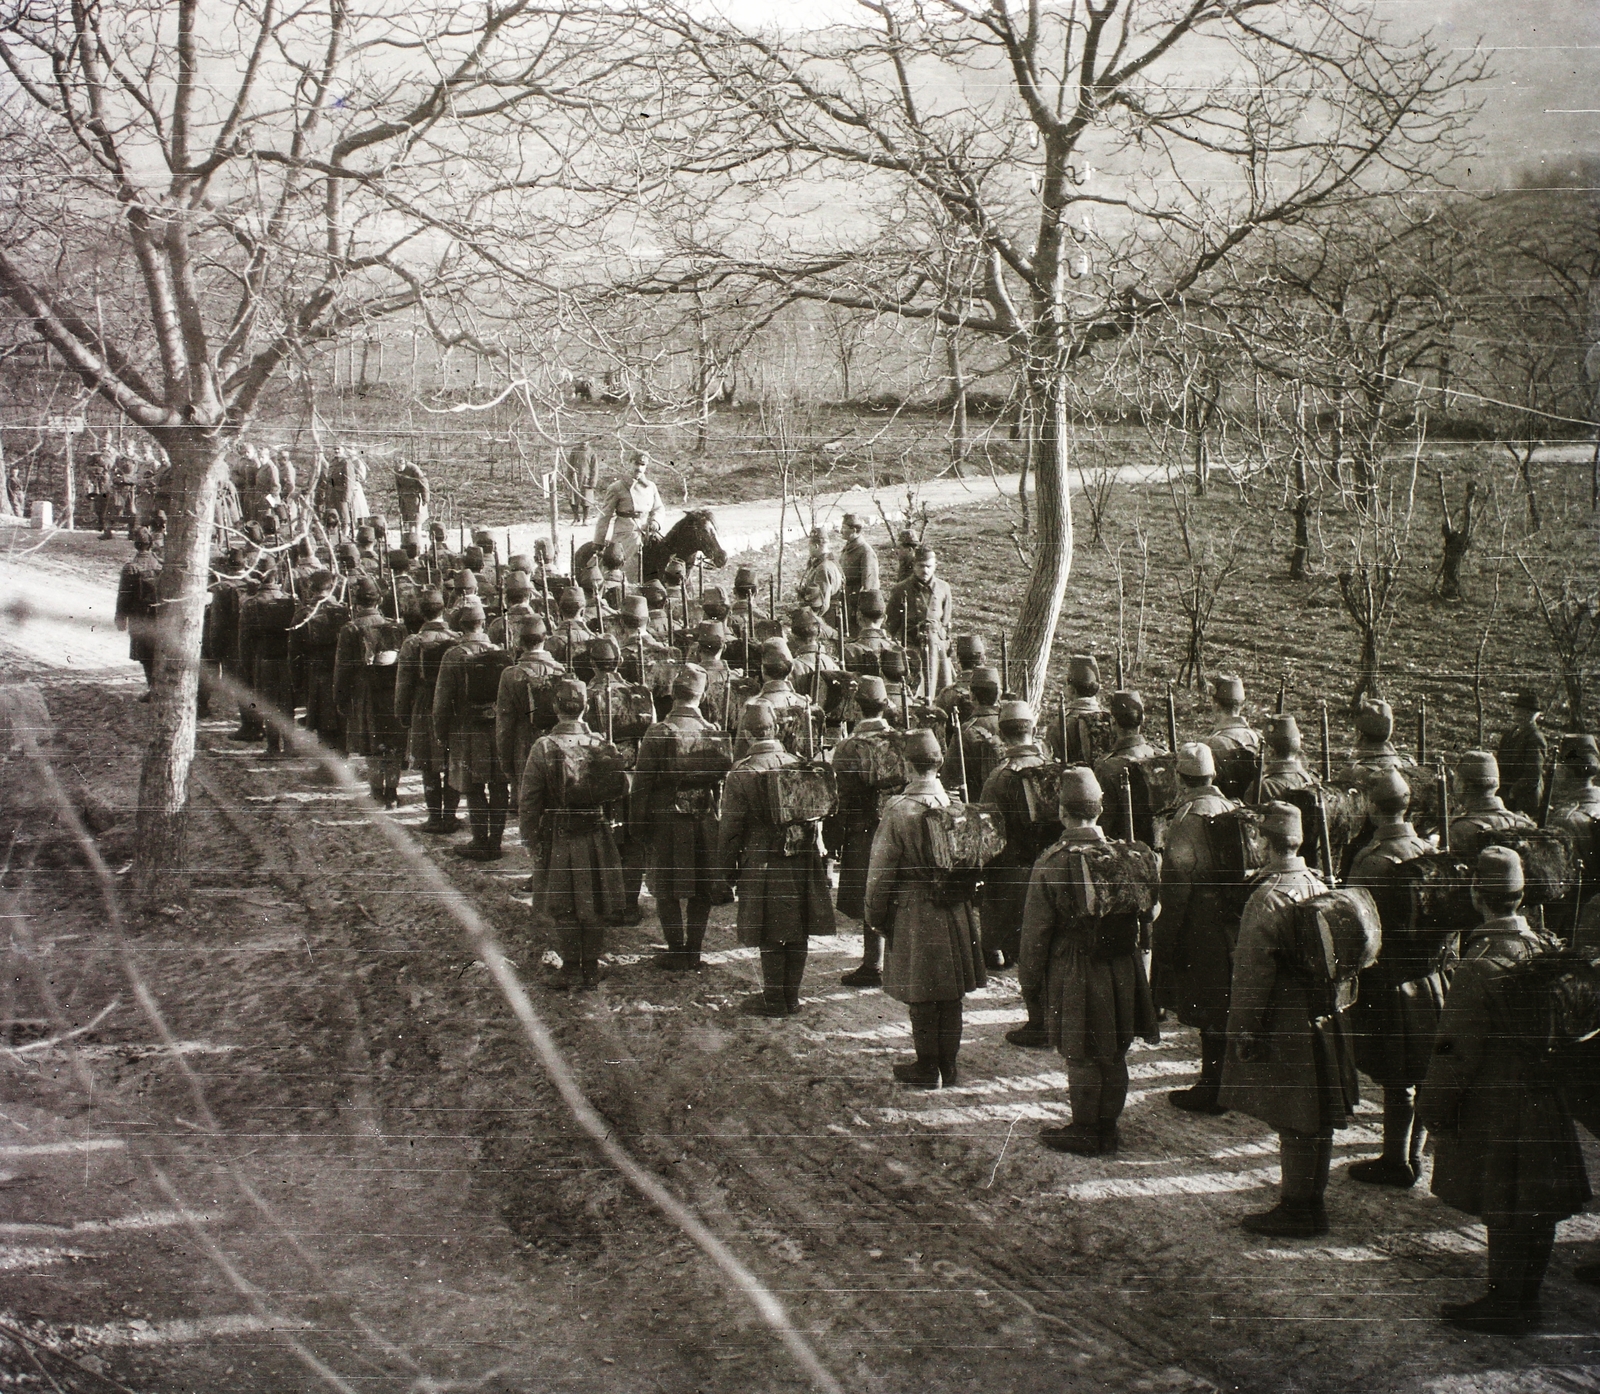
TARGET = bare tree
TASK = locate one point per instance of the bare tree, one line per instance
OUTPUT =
(1569, 604)
(1369, 588)
(1207, 567)
(1020, 126)
(1457, 538)
(199, 194)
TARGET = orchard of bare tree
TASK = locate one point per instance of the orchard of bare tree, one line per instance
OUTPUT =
(879, 694)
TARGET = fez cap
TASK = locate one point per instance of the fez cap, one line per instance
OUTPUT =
(1388, 786)
(472, 557)
(1582, 753)
(1227, 688)
(804, 624)
(713, 595)
(320, 580)
(1528, 701)
(634, 607)
(1375, 719)
(366, 591)
(603, 648)
(970, 648)
(1083, 671)
(673, 571)
(1127, 708)
(348, 551)
(572, 600)
(870, 606)
(430, 602)
(655, 593)
(1283, 732)
(613, 555)
(470, 609)
(518, 585)
(364, 536)
(520, 561)
(1499, 872)
(757, 719)
(1196, 761)
(710, 634)
(744, 580)
(870, 688)
(467, 581)
(1283, 819)
(1479, 767)
(1080, 789)
(776, 650)
(986, 677)
(688, 683)
(532, 628)
(399, 559)
(571, 695)
(1018, 713)
(892, 664)
(921, 748)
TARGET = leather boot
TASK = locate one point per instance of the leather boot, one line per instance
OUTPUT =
(950, 1025)
(794, 970)
(1202, 1097)
(1394, 1167)
(697, 917)
(1500, 1311)
(923, 1072)
(770, 1001)
(1082, 1138)
(1288, 1219)
(1299, 1214)
(1031, 1036)
(870, 973)
(673, 958)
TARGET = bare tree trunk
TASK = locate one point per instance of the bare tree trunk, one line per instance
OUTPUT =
(161, 872)
(959, 447)
(1040, 611)
(1301, 553)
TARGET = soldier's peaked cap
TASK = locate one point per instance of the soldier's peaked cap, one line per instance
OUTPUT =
(970, 647)
(673, 571)
(1388, 786)
(1499, 872)
(926, 553)
(1196, 761)
(1018, 713)
(869, 605)
(1127, 707)
(1080, 787)
(1227, 687)
(1083, 670)
(870, 688)
(571, 695)
(850, 521)
(689, 682)
(1479, 767)
(1283, 819)
(920, 745)
(1283, 731)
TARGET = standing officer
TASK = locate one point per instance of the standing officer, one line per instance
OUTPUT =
(561, 809)
(1397, 1009)
(921, 611)
(1480, 810)
(822, 573)
(264, 621)
(673, 812)
(139, 602)
(1086, 966)
(1194, 937)
(463, 723)
(935, 951)
(1504, 1146)
(858, 561)
(415, 683)
(631, 511)
(783, 897)
(365, 673)
(1288, 1065)
(1521, 755)
(868, 767)
(583, 474)
(1029, 830)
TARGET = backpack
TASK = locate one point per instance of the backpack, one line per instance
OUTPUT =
(1337, 934)
(324, 624)
(1041, 788)
(633, 710)
(1090, 737)
(542, 713)
(700, 759)
(796, 731)
(877, 762)
(1347, 821)
(1114, 884)
(799, 794)
(588, 776)
(1237, 772)
(147, 589)
(1549, 861)
(962, 839)
(1553, 1002)
(1422, 905)
(482, 688)
(1237, 851)
(434, 648)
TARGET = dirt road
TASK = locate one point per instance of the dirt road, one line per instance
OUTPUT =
(398, 1191)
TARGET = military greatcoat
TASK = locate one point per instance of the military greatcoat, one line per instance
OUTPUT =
(679, 826)
(1194, 936)
(1005, 879)
(468, 736)
(857, 818)
(414, 684)
(581, 873)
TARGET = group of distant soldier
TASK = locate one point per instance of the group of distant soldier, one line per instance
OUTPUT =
(846, 753)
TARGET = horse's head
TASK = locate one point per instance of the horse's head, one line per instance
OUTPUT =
(697, 532)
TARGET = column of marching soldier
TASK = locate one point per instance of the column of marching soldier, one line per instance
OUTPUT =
(1296, 918)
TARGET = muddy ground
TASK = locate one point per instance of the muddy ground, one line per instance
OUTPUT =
(395, 1187)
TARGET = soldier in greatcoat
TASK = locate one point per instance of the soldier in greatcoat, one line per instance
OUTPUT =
(1374, 748)
(921, 610)
(981, 748)
(570, 642)
(365, 674)
(1479, 809)
(580, 888)
(806, 649)
(518, 592)
(868, 767)
(1283, 771)
(1232, 731)
(935, 949)
(1521, 756)
(264, 621)
(1089, 974)
(1397, 1007)
(1029, 830)
(414, 494)
(971, 654)
(676, 820)
(867, 611)
(463, 722)
(1289, 1062)
(1132, 746)
(1195, 936)
(858, 561)
(710, 640)
(416, 678)
(222, 620)
(1076, 736)
(138, 603)
(777, 692)
(314, 652)
(1505, 1149)
(783, 897)
(525, 703)
(822, 572)
(631, 510)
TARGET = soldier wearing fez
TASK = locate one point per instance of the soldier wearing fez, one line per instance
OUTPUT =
(415, 681)
(1479, 809)
(1232, 732)
(1284, 770)
(980, 749)
(1397, 1009)
(1028, 832)
(935, 953)
(463, 723)
(1291, 1072)
(1087, 970)
(867, 765)
(675, 815)
(783, 898)
(1504, 1146)
(1374, 748)
(1194, 937)
(1132, 747)
(565, 820)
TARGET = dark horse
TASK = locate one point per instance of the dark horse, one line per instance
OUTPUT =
(694, 534)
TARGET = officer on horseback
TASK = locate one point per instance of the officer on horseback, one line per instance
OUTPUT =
(632, 510)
